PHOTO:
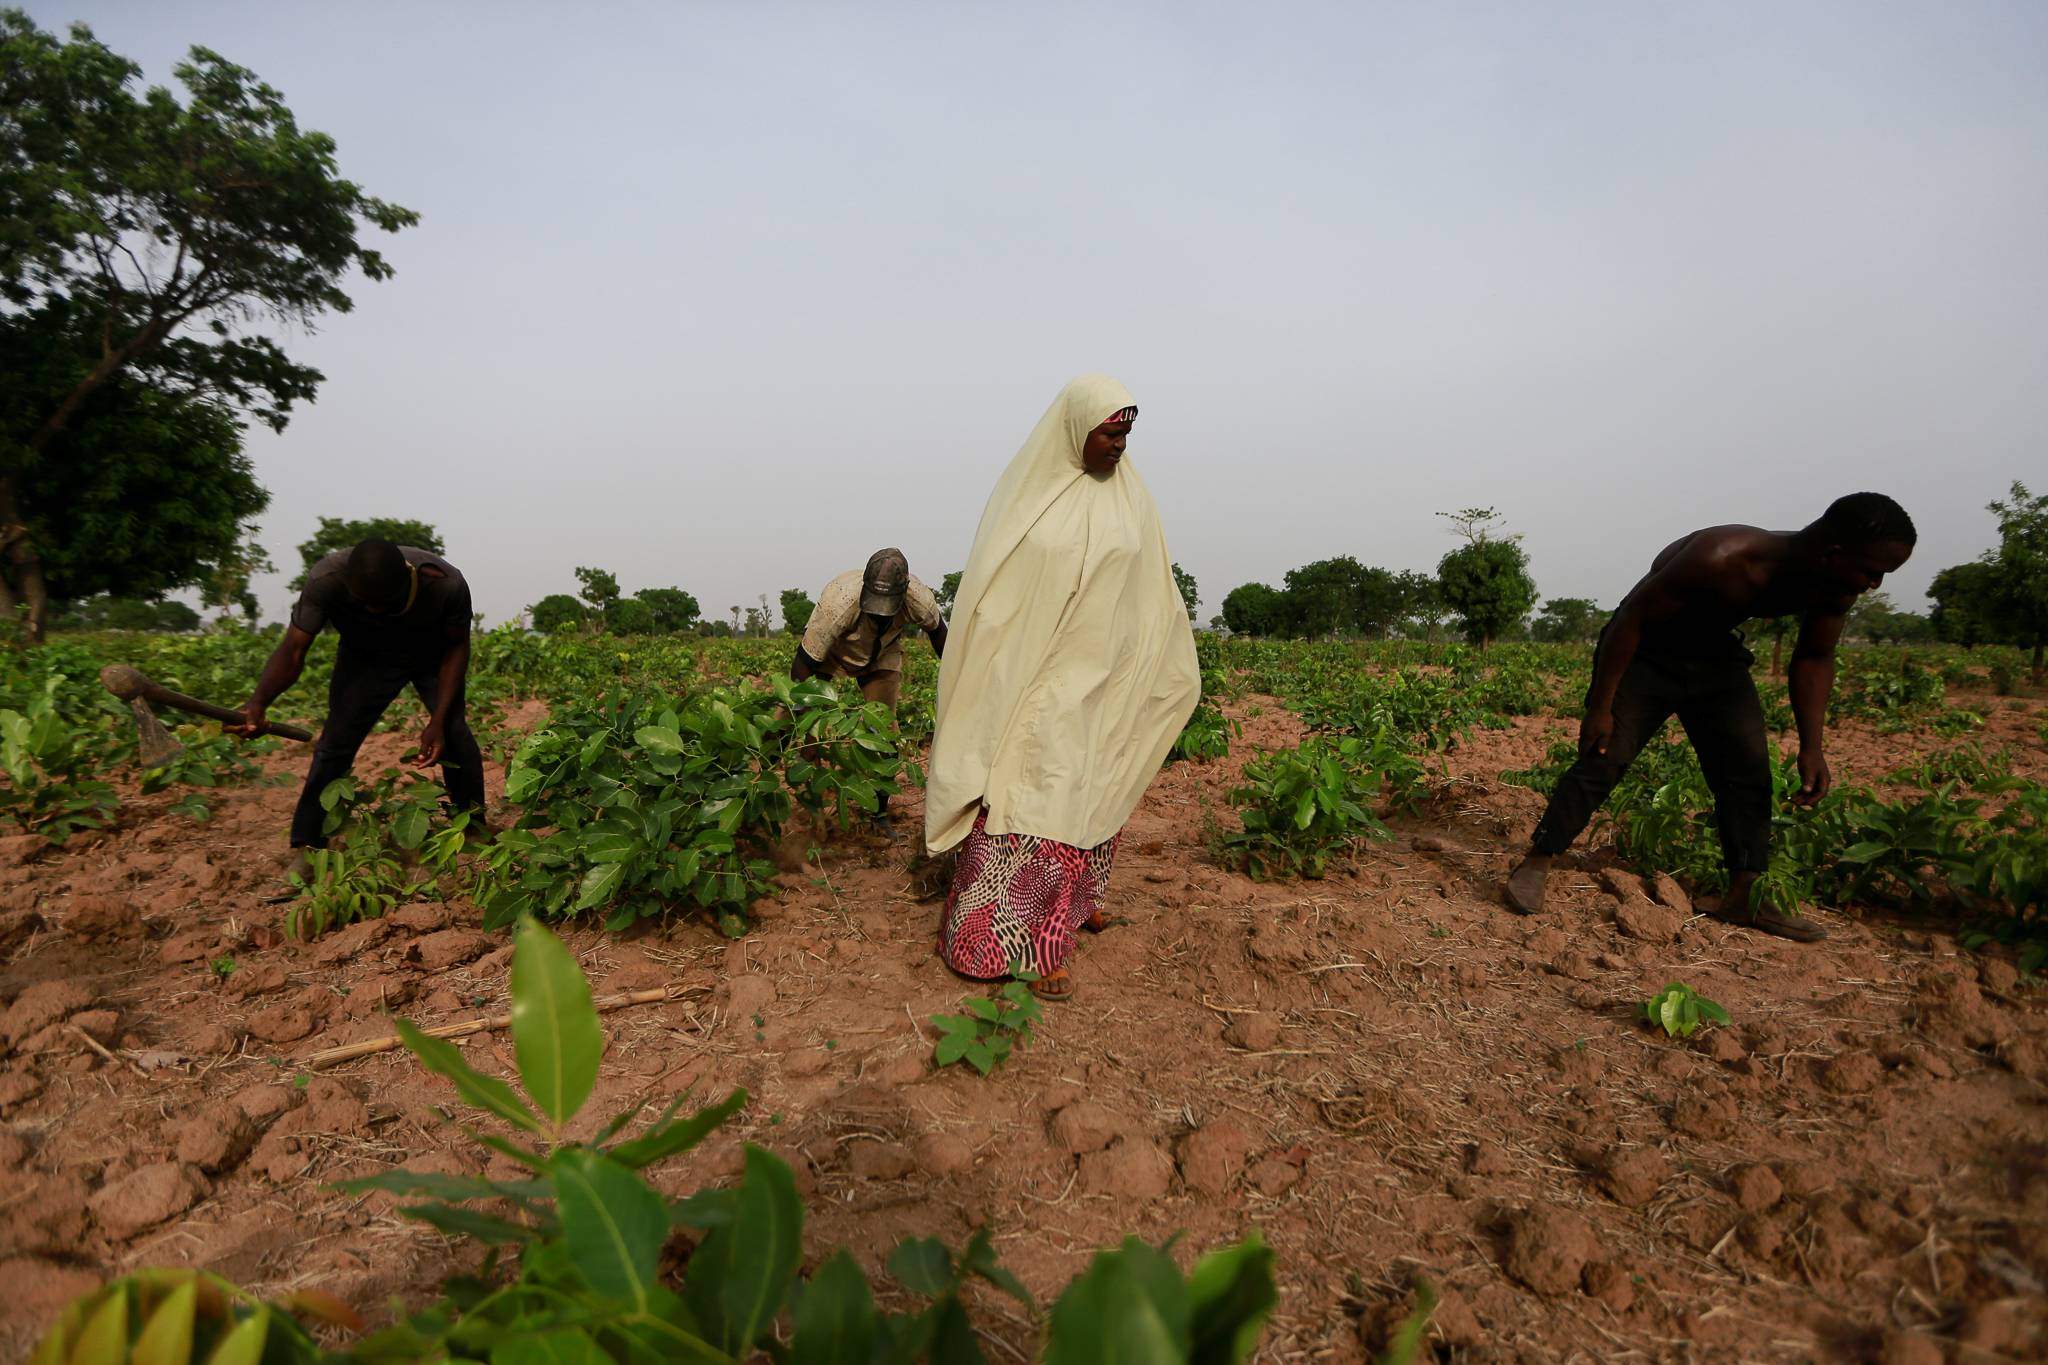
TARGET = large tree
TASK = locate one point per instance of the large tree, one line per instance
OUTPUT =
(557, 612)
(2017, 587)
(797, 607)
(1962, 599)
(1190, 591)
(345, 533)
(164, 229)
(1568, 620)
(949, 588)
(145, 493)
(2002, 597)
(1485, 582)
(1252, 609)
(674, 610)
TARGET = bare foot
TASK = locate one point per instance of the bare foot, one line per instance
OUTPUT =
(1524, 891)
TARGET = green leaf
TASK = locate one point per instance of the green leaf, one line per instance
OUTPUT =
(613, 1223)
(410, 827)
(705, 1209)
(485, 1092)
(563, 1346)
(167, 1337)
(951, 1048)
(457, 1221)
(737, 1278)
(835, 1320)
(659, 738)
(555, 1032)
(598, 884)
(923, 1266)
(1230, 1293)
(244, 1345)
(1129, 1306)
(669, 1139)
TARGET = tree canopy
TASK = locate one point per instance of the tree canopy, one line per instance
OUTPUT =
(160, 229)
(1190, 591)
(797, 607)
(673, 609)
(556, 613)
(1568, 620)
(1485, 582)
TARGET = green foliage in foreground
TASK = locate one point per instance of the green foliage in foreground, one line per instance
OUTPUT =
(576, 1272)
(1680, 1010)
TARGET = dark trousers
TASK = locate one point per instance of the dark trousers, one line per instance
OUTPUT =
(1715, 700)
(356, 699)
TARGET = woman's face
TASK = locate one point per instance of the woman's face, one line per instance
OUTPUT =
(1104, 449)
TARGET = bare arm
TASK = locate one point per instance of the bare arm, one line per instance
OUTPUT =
(451, 680)
(1811, 680)
(280, 671)
(802, 666)
(938, 639)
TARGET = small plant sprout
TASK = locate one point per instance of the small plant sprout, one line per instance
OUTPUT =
(1679, 1010)
(991, 1027)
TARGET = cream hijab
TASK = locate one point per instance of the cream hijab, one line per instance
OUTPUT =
(1070, 667)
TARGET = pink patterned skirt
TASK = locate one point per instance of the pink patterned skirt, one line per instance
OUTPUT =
(1019, 900)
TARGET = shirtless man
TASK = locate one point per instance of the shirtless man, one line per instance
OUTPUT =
(1672, 647)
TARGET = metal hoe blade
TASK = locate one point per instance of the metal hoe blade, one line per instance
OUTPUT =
(151, 738)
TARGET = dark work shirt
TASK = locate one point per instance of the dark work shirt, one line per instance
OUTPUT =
(439, 615)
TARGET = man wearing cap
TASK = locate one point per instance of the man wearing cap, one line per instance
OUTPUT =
(403, 616)
(857, 630)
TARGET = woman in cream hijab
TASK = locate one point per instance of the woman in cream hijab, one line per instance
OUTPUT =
(1069, 670)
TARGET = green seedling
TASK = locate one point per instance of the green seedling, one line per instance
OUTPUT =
(1680, 1010)
(990, 1028)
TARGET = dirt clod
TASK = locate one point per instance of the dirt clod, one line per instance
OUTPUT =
(1253, 1032)
(214, 1140)
(93, 917)
(1131, 1168)
(1212, 1156)
(880, 1161)
(148, 1197)
(1705, 1116)
(1085, 1127)
(1757, 1188)
(1610, 1284)
(944, 1154)
(447, 949)
(1647, 921)
(41, 1005)
(1634, 1175)
(1549, 1249)
(1852, 1073)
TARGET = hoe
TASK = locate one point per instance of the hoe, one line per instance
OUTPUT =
(140, 691)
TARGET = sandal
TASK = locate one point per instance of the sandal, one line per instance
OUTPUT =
(1098, 922)
(1057, 985)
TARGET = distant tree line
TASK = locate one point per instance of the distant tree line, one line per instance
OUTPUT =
(1484, 585)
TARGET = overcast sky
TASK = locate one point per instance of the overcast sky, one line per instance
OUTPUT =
(725, 296)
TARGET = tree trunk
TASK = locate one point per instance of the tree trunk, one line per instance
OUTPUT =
(27, 586)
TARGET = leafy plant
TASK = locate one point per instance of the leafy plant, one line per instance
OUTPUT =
(344, 884)
(50, 765)
(985, 1035)
(1206, 737)
(653, 802)
(1301, 807)
(1680, 1010)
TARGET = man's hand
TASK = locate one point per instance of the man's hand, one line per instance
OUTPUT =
(432, 741)
(1595, 732)
(251, 723)
(1814, 778)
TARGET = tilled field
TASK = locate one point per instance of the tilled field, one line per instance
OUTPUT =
(1387, 1075)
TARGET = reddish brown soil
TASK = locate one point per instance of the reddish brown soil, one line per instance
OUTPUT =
(1383, 1072)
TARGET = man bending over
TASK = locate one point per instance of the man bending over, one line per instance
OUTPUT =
(403, 616)
(1672, 647)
